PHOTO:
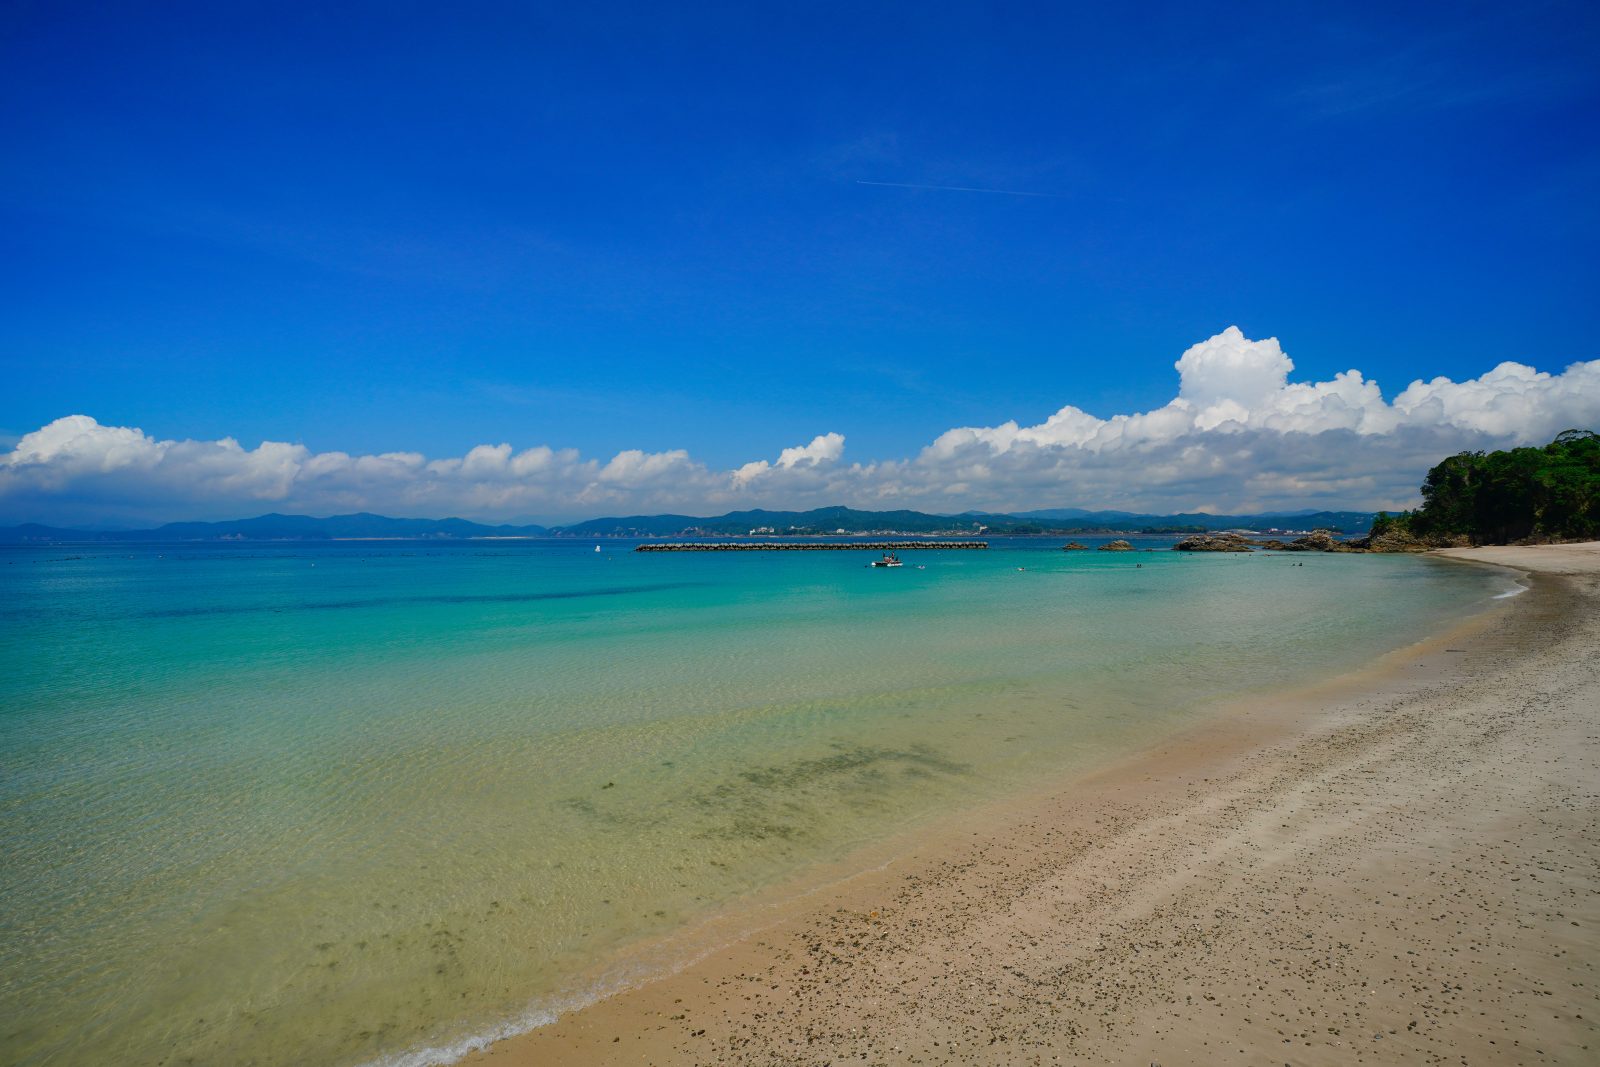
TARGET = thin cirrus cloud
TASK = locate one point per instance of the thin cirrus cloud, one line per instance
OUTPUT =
(1239, 436)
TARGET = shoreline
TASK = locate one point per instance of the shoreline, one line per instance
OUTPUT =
(971, 943)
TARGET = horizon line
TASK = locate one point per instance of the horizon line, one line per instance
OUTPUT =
(1088, 514)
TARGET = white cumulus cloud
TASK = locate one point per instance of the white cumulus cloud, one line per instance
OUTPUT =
(1238, 436)
(823, 449)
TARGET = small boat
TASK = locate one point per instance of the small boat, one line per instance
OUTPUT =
(888, 560)
(597, 548)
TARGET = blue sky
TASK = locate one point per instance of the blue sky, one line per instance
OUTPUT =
(423, 228)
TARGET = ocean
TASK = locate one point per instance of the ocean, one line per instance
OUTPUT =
(367, 802)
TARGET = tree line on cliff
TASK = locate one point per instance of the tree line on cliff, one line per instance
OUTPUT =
(1520, 494)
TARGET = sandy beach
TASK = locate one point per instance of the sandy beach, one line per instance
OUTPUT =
(1396, 867)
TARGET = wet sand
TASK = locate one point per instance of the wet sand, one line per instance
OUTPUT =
(1395, 867)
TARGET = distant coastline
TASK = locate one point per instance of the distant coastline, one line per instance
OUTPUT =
(819, 522)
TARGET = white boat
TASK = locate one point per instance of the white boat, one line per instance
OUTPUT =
(888, 561)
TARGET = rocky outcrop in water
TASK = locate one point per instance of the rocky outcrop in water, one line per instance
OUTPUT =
(1320, 541)
(1392, 540)
(1073, 546)
(1116, 546)
(1228, 542)
(1317, 541)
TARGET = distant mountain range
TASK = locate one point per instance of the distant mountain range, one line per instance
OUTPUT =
(279, 528)
(767, 523)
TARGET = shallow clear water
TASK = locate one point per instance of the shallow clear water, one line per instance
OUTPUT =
(330, 804)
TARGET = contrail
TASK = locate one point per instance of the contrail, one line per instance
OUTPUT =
(960, 189)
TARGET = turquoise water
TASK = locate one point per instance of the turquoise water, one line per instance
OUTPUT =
(336, 804)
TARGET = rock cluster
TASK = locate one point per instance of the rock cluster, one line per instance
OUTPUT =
(1116, 546)
(1323, 541)
(1227, 542)
(1316, 541)
(1073, 546)
(1392, 540)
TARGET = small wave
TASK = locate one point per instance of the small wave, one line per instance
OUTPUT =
(541, 1013)
(546, 1010)
(1517, 590)
(436, 1055)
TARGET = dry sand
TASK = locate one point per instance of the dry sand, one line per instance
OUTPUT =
(1399, 867)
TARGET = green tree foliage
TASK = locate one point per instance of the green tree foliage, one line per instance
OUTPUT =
(1383, 522)
(1549, 493)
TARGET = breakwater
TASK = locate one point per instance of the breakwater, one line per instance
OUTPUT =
(803, 546)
